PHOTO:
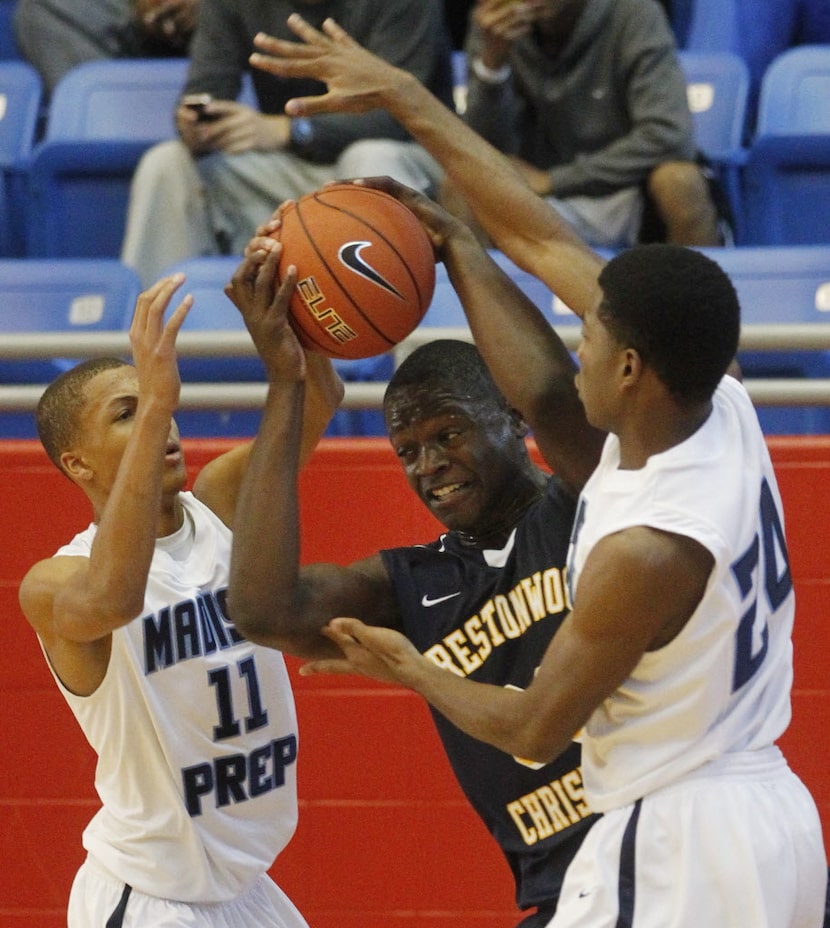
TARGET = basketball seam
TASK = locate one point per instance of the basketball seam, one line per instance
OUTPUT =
(336, 280)
(318, 196)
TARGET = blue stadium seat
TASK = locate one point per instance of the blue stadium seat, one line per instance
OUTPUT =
(21, 94)
(445, 309)
(786, 180)
(103, 115)
(717, 84)
(717, 88)
(45, 296)
(8, 46)
(779, 285)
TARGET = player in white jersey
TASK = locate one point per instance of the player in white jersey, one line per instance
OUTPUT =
(194, 727)
(675, 660)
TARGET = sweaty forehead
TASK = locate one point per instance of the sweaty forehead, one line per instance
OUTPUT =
(412, 403)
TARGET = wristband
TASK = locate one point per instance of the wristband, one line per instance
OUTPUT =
(491, 75)
(302, 132)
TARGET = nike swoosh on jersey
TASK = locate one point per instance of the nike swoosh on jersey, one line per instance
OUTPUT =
(349, 255)
(426, 601)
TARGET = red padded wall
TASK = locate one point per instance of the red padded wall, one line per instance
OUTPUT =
(385, 837)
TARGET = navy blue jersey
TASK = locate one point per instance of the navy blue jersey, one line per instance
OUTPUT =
(489, 615)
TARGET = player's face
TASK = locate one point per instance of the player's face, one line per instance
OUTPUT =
(460, 455)
(106, 424)
(600, 357)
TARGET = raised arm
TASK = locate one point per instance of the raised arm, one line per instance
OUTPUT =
(74, 603)
(528, 361)
(520, 223)
(218, 483)
(271, 600)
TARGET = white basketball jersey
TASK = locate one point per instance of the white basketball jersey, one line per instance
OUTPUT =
(195, 731)
(723, 684)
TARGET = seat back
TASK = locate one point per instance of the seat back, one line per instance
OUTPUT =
(117, 99)
(445, 310)
(103, 116)
(717, 85)
(21, 95)
(780, 285)
(8, 46)
(786, 180)
(77, 296)
(795, 93)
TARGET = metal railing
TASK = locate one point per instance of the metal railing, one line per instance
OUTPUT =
(369, 395)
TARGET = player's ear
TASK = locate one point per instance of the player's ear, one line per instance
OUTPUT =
(74, 465)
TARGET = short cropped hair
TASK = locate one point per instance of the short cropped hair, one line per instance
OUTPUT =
(678, 309)
(454, 364)
(60, 407)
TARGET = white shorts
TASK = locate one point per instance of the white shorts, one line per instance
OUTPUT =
(737, 844)
(98, 900)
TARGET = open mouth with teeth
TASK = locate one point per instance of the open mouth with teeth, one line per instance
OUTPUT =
(440, 494)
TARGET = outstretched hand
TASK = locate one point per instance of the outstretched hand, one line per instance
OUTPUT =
(153, 341)
(370, 651)
(256, 291)
(357, 80)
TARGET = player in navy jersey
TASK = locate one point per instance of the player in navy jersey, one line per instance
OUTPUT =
(675, 660)
(485, 598)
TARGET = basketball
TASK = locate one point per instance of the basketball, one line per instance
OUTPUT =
(365, 266)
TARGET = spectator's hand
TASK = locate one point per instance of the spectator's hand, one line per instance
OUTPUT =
(538, 179)
(232, 127)
(502, 22)
(263, 301)
(168, 21)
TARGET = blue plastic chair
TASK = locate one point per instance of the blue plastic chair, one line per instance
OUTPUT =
(717, 84)
(49, 296)
(103, 115)
(717, 88)
(21, 95)
(445, 311)
(783, 285)
(8, 46)
(786, 180)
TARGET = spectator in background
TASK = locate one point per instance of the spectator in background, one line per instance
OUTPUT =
(589, 99)
(209, 191)
(56, 35)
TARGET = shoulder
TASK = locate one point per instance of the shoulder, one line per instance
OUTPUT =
(41, 584)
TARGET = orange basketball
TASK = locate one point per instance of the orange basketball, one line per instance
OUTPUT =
(366, 270)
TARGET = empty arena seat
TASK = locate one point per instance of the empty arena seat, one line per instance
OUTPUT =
(21, 96)
(8, 46)
(781, 285)
(717, 88)
(446, 311)
(63, 296)
(786, 180)
(103, 115)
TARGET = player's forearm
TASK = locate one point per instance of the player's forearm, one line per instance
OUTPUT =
(111, 592)
(493, 714)
(265, 557)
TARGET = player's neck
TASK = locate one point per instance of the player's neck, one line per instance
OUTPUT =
(494, 532)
